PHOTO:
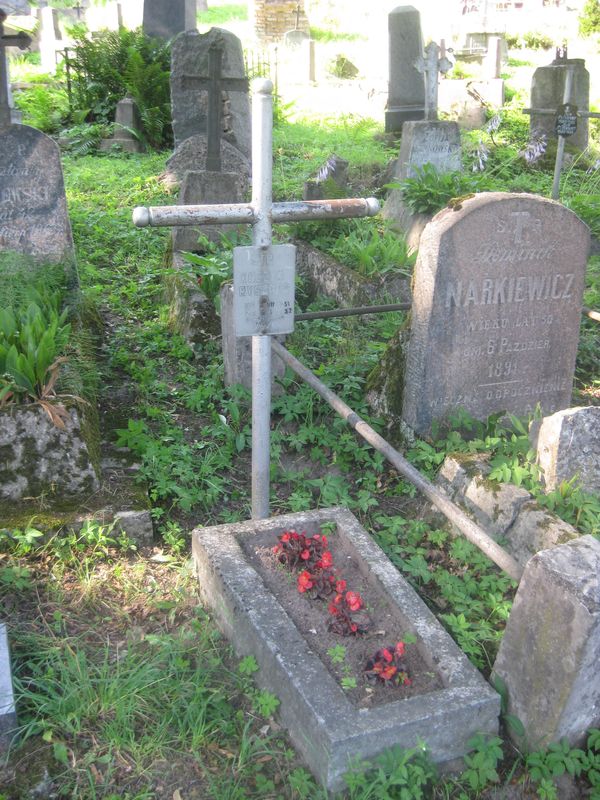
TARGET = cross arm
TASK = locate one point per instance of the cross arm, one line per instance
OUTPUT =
(236, 213)
(551, 112)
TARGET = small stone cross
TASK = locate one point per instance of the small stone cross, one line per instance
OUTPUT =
(434, 62)
(20, 40)
(265, 271)
(215, 84)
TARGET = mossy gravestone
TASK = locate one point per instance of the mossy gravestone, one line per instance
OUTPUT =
(497, 299)
(36, 250)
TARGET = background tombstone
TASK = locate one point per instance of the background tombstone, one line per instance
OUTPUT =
(191, 155)
(50, 38)
(33, 211)
(406, 87)
(189, 95)
(166, 18)
(496, 309)
(127, 125)
(547, 89)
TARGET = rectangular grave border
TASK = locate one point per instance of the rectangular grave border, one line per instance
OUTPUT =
(8, 713)
(324, 726)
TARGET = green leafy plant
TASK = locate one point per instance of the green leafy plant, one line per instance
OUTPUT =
(406, 774)
(33, 337)
(589, 19)
(482, 761)
(429, 190)
(114, 64)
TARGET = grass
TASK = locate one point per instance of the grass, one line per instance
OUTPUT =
(125, 687)
(218, 15)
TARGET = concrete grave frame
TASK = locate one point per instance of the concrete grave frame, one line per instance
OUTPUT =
(323, 725)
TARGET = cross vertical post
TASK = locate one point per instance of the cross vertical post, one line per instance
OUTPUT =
(433, 62)
(560, 149)
(213, 124)
(262, 179)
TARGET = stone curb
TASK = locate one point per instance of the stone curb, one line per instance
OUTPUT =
(326, 728)
(8, 713)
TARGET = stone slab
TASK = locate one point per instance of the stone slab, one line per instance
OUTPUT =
(203, 188)
(406, 88)
(189, 61)
(33, 211)
(547, 88)
(191, 156)
(550, 652)
(497, 297)
(8, 711)
(568, 446)
(191, 313)
(324, 726)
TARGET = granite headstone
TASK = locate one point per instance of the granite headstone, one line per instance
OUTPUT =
(406, 88)
(166, 18)
(189, 93)
(33, 211)
(496, 310)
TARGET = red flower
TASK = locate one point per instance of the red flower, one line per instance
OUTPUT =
(354, 601)
(399, 649)
(340, 586)
(324, 540)
(305, 581)
(305, 555)
(285, 537)
(333, 609)
(326, 560)
(387, 655)
(338, 598)
(388, 673)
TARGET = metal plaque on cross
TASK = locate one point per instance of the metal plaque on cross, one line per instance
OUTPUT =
(566, 120)
(263, 289)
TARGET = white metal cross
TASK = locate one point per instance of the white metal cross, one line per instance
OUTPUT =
(433, 62)
(263, 291)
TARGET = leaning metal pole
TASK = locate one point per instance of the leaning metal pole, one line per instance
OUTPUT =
(467, 527)
(262, 167)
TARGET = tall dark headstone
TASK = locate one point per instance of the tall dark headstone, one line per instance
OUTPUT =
(497, 300)
(406, 88)
(166, 18)
(191, 87)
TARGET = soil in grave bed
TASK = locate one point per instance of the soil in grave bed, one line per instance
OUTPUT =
(311, 617)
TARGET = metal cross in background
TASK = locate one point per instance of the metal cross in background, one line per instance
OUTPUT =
(215, 84)
(20, 40)
(434, 62)
(263, 280)
(566, 125)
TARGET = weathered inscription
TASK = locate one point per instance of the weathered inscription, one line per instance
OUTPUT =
(502, 338)
(33, 211)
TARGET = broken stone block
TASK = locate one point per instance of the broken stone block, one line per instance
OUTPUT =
(568, 446)
(137, 525)
(504, 511)
(536, 529)
(37, 458)
(550, 652)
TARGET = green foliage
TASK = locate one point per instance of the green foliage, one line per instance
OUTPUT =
(341, 67)
(265, 703)
(589, 19)
(227, 12)
(371, 248)
(534, 40)
(481, 761)
(83, 139)
(32, 338)
(118, 63)
(45, 106)
(403, 774)
(429, 191)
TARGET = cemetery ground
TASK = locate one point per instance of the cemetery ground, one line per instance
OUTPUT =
(125, 688)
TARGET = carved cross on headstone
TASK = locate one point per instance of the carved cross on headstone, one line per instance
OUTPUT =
(215, 84)
(20, 40)
(433, 62)
(566, 115)
(263, 275)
